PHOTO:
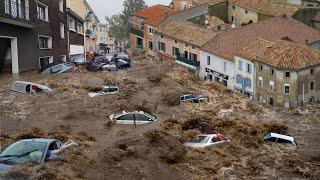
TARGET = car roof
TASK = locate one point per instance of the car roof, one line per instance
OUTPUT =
(110, 86)
(42, 140)
(211, 135)
(51, 65)
(281, 136)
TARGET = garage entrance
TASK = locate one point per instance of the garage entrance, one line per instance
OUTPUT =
(9, 55)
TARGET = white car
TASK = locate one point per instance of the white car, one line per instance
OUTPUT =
(29, 88)
(136, 117)
(109, 57)
(192, 98)
(279, 138)
(104, 91)
(206, 141)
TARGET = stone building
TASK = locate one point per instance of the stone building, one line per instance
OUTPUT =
(287, 74)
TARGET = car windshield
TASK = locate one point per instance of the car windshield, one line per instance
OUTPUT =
(150, 115)
(22, 152)
(200, 139)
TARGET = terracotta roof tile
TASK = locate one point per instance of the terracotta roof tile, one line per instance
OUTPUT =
(154, 15)
(266, 7)
(187, 32)
(281, 54)
(230, 42)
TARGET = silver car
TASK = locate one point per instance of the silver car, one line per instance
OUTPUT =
(136, 117)
(104, 91)
(28, 87)
(27, 150)
(207, 141)
(192, 98)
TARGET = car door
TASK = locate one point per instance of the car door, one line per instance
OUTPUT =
(142, 118)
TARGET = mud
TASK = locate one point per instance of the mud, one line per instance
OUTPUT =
(155, 151)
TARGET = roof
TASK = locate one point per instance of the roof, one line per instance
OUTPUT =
(280, 136)
(187, 32)
(281, 54)
(230, 42)
(265, 7)
(154, 15)
(211, 2)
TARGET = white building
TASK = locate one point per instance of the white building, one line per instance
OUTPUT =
(214, 68)
(245, 76)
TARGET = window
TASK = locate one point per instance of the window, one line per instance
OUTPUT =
(64, 58)
(240, 65)
(61, 6)
(249, 68)
(271, 72)
(72, 24)
(193, 57)
(150, 45)
(311, 86)
(186, 45)
(208, 60)
(312, 71)
(224, 66)
(79, 28)
(44, 61)
(162, 47)
(62, 31)
(261, 67)
(287, 89)
(161, 36)
(246, 11)
(45, 42)
(175, 51)
(42, 11)
(247, 82)
(151, 31)
(193, 47)
(233, 7)
(186, 54)
(287, 74)
(260, 82)
(271, 101)
(271, 86)
(175, 41)
(239, 79)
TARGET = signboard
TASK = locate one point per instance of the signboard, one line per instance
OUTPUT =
(217, 74)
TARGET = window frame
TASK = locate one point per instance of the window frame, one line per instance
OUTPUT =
(287, 85)
(62, 31)
(285, 74)
(45, 11)
(313, 87)
(49, 43)
(74, 24)
(61, 6)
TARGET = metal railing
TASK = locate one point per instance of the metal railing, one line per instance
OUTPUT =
(14, 9)
(188, 61)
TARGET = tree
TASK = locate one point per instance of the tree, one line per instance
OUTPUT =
(118, 25)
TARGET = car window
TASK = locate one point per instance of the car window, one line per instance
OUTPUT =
(284, 141)
(200, 139)
(56, 69)
(142, 117)
(221, 138)
(215, 139)
(190, 97)
(105, 90)
(125, 117)
(113, 89)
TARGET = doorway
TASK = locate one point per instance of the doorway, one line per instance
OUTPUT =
(9, 55)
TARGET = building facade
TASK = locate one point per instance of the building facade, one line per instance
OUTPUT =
(75, 35)
(91, 31)
(33, 34)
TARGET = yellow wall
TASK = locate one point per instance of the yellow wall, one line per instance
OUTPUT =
(77, 6)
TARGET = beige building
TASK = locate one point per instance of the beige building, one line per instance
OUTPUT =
(77, 6)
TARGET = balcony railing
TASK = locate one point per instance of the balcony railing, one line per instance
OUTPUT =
(137, 32)
(14, 9)
(89, 32)
(188, 61)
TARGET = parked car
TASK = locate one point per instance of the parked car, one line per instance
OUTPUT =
(274, 137)
(192, 98)
(78, 60)
(27, 150)
(137, 117)
(28, 87)
(124, 57)
(122, 64)
(207, 141)
(104, 91)
(57, 67)
(94, 66)
(110, 57)
(109, 67)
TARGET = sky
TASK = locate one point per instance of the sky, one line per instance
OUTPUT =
(104, 8)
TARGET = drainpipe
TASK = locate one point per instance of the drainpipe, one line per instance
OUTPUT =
(303, 94)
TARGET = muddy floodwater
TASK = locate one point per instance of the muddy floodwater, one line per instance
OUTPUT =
(155, 150)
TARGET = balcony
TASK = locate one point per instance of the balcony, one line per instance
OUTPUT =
(89, 33)
(183, 60)
(16, 13)
(137, 32)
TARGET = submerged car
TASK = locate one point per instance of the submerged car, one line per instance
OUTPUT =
(207, 141)
(122, 64)
(28, 87)
(78, 60)
(274, 137)
(124, 57)
(27, 150)
(95, 66)
(110, 57)
(109, 67)
(104, 91)
(57, 67)
(137, 117)
(192, 98)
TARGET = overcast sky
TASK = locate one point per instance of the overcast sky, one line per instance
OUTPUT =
(110, 7)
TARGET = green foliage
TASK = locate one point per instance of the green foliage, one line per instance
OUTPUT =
(118, 25)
